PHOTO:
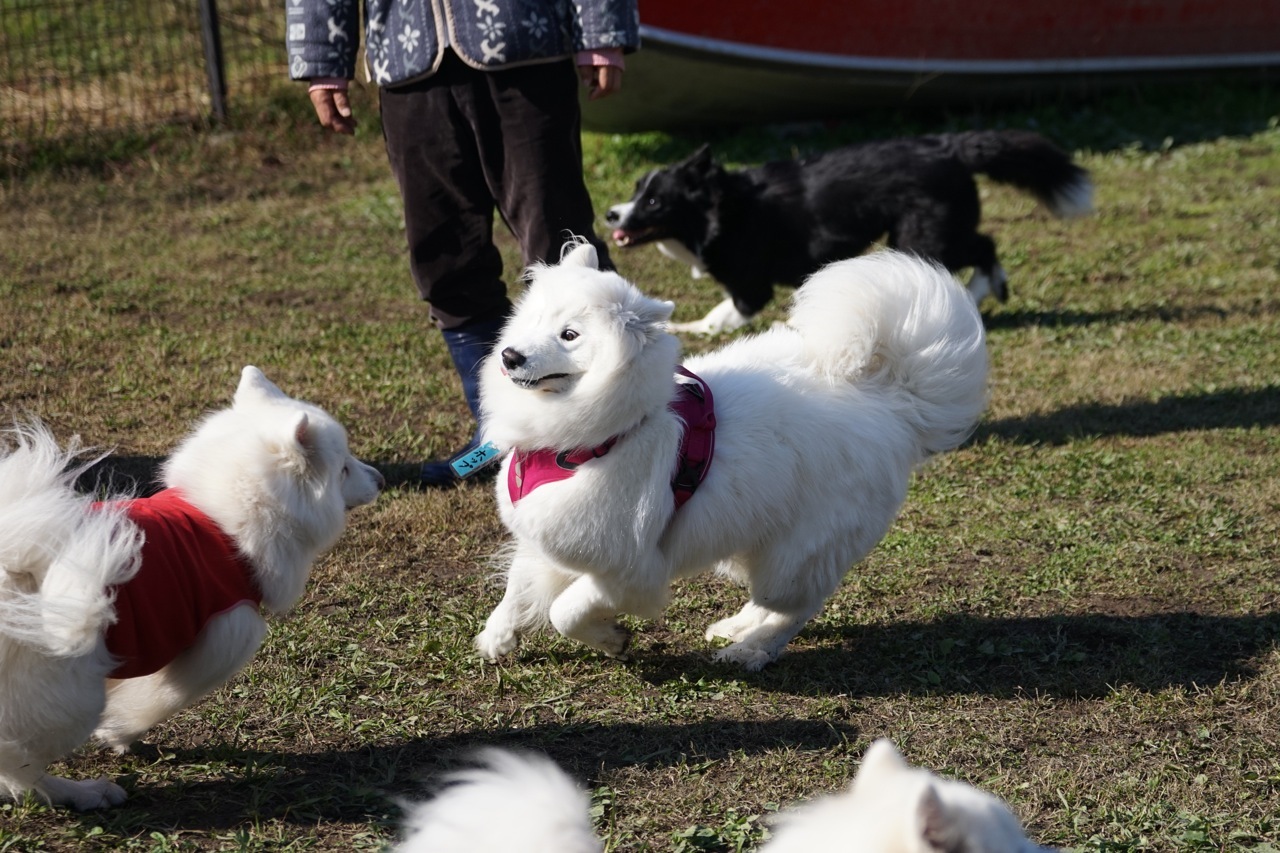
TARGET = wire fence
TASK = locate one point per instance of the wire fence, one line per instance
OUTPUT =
(76, 68)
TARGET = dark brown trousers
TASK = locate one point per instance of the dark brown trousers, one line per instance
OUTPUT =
(463, 143)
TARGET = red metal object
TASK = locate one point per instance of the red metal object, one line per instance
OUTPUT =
(714, 62)
(980, 29)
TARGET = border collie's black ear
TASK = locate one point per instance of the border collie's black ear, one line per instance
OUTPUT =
(701, 158)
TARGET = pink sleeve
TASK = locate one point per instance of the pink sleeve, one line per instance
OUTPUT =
(339, 83)
(602, 56)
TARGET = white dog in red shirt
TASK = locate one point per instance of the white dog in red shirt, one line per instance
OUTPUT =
(116, 615)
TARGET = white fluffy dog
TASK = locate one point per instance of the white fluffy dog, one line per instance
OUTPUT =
(818, 426)
(115, 616)
(509, 803)
(891, 807)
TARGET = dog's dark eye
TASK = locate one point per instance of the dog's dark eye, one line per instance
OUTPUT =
(568, 335)
(651, 201)
(346, 471)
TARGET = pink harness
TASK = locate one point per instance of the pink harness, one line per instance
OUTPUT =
(694, 405)
(191, 572)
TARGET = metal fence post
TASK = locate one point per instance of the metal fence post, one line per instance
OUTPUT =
(211, 35)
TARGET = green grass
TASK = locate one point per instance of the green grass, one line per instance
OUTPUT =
(1079, 610)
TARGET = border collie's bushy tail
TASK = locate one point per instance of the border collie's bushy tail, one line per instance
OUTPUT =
(58, 556)
(1028, 161)
(904, 323)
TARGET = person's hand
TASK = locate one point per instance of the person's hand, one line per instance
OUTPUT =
(333, 109)
(601, 80)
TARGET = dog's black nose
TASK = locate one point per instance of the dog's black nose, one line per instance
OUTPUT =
(612, 217)
(512, 358)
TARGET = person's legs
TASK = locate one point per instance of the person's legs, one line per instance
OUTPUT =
(448, 205)
(531, 148)
(459, 142)
(449, 211)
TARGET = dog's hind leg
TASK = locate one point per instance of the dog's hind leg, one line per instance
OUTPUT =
(759, 634)
(993, 283)
(789, 584)
(225, 646)
(48, 707)
(23, 761)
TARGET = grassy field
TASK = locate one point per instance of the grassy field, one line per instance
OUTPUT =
(1079, 610)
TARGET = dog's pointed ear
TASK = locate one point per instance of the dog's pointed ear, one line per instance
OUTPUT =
(663, 310)
(646, 317)
(882, 758)
(582, 255)
(297, 444)
(701, 159)
(937, 824)
(254, 384)
(302, 432)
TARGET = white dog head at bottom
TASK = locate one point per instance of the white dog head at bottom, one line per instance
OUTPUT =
(893, 807)
(584, 355)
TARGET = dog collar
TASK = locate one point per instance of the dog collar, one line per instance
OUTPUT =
(693, 404)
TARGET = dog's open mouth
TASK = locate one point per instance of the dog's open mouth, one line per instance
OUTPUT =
(535, 382)
(626, 239)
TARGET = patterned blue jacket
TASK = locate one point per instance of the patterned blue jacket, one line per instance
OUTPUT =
(403, 37)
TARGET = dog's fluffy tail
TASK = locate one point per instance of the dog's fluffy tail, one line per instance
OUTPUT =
(58, 555)
(894, 320)
(511, 801)
(1028, 161)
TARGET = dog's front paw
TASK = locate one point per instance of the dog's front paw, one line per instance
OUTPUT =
(493, 643)
(616, 640)
(81, 794)
(725, 629)
(605, 636)
(697, 327)
(750, 658)
(112, 735)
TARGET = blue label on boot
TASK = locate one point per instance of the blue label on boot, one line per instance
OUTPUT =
(473, 460)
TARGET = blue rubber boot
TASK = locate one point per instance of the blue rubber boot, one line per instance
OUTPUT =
(468, 345)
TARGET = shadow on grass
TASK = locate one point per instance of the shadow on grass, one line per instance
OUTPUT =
(1230, 409)
(1079, 656)
(1086, 656)
(364, 785)
(1056, 319)
(1071, 657)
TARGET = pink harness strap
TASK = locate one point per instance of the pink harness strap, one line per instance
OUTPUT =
(694, 405)
(191, 572)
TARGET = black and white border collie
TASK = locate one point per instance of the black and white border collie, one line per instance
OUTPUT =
(780, 222)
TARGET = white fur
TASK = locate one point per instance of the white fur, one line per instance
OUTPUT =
(892, 807)
(820, 423)
(273, 473)
(679, 252)
(981, 285)
(511, 803)
(524, 804)
(1074, 200)
(725, 317)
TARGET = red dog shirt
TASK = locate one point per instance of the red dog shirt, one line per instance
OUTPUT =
(191, 572)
